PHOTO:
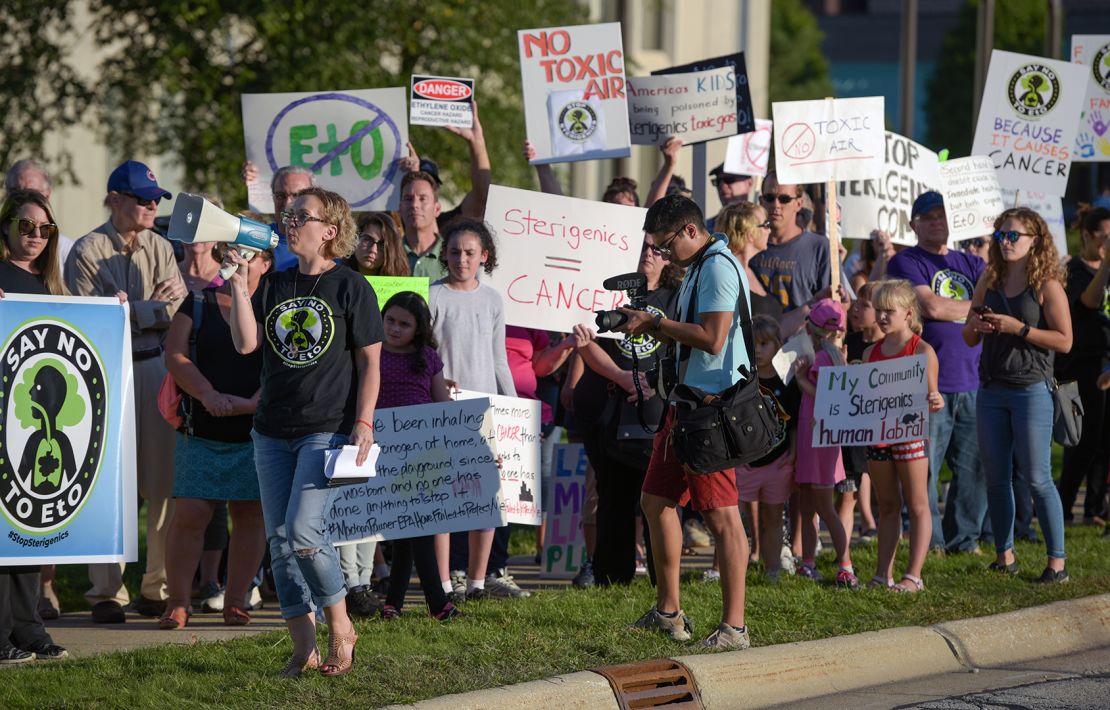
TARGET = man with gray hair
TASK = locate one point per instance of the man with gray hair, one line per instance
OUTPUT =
(285, 185)
(30, 174)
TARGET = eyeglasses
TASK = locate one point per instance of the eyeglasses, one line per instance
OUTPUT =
(28, 228)
(664, 250)
(283, 196)
(367, 241)
(783, 199)
(765, 224)
(1011, 236)
(289, 219)
(976, 243)
(140, 201)
(728, 179)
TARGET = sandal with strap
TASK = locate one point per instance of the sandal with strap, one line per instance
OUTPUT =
(334, 665)
(295, 667)
(878, 581)
(236, 616)
(174, 618)
(918, 585)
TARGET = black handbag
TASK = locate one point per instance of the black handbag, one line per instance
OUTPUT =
(717, 431)
(1067, 412)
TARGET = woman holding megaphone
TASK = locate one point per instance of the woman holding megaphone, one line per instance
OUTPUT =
(320, 330)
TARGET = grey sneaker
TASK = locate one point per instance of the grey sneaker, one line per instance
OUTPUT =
(504, 586)
(585, 576)
(727, 638)
(458, 581)
(678, 628)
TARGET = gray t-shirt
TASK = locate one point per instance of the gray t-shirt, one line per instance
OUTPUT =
(794, 271)
(470, 328)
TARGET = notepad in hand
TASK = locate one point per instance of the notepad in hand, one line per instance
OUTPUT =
(341, 470)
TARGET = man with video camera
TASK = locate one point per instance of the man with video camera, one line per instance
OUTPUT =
(709, 352)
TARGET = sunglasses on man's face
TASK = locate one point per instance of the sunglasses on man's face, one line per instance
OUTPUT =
(28, 228)
(141, 202)
(728, 179)
(1011, 236)
(783, 199)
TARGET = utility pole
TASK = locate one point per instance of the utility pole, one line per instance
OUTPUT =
(984, 43)
(908, 65)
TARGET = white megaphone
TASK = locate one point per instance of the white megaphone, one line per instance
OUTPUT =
(195, 219)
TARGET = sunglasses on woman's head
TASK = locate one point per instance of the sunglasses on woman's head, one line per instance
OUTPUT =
(782, 198)
(27, 228)
(1011, 236)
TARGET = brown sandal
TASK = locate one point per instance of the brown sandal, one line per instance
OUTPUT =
(294, 668)
(236, 616)
(174, 618)
(334, 665)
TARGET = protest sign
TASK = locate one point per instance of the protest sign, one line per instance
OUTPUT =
(1027, 120)
(872, 403)
(885, 203)
(574, 99)
(436, 473)
(798, 345)
(554, 252)
(516, 437)
(749, 153)
(386, 286)
(67, 441)
(1092, 52)
(696, 107)
(442, 101)
(1049, 207)
(834, 139)
(350, 139)
(745, 117)
(564, 547)
(972, 198)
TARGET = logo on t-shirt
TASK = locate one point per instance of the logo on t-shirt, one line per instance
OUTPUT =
(300, 330)
(54, 402)
(952, 284)
(642, 345)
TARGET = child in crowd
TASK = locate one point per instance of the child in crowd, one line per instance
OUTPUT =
(862, 331)
(412, 373)
(468, 321)
(818, 470)
(901, 471)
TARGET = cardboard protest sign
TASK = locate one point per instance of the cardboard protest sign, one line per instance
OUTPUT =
(554, 252)
(749, 153)
(1027, 120)
(516, 437)
(695, 107)
(872, 403)
(745, 118)
(1049, 207)
(574, 98)
(386, 286)
(350, 139)
(885, 203)
(834, 139)
(436, 473)
(442, 101)
(972, 198)
(67, 440)
(1093, 141)
(564, 547)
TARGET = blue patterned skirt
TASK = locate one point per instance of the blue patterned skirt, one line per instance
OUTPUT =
(214, 470)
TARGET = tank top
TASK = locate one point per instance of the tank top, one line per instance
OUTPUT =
(911, 347)
(1010, 359)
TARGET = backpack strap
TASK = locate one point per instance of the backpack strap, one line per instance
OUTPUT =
(745, 314)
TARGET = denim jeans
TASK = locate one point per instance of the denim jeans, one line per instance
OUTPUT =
(1016, 423)
(295, 504)
(952, 439)
(357, 563)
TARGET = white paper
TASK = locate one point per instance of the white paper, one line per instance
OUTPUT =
(872, 403)
(340, 463)
(260, 199)
(749, 153)
(835, 139)
(696, 107)
(1049, 207)
(1093, 141)
(798, 345)
(972, 197)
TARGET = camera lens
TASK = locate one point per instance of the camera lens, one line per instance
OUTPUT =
(609, 320)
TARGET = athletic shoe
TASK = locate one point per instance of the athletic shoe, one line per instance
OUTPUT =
(477, 594)
(390, 612)
(786, 560)
(504, 586)
(1010, 569)
(362, 602)
(728, 638)
(447, 613)
(48, 651)
(48, 604)
(641, 565)
(711, 575)
(844, 578)
(150, 607)
(211, 598)
(456, 598)
(678, 627)
(695, 535)
(255, 600)
(458, 581)
(585, 576)
(809, 572)
(108, 612)
(12, 656)
(1051, 576)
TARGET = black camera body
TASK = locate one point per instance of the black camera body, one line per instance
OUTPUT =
(634, 286)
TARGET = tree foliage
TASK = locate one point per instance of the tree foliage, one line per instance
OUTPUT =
(1019, 26)
(798, 68)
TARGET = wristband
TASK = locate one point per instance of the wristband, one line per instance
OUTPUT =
(1024, 332)
(365, 423)
(657, 322)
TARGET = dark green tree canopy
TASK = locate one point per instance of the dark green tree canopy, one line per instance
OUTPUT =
(798, 68)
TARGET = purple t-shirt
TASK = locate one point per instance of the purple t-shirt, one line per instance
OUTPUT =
(954, 276)
(400, 386)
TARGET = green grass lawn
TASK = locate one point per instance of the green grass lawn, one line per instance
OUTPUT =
(502, 642)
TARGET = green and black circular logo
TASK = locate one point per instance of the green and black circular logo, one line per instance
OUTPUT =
(1100, 67)
(577, 121)
(1033, 90)
(953, 285)
(54, 401)
(642, 345)
(300, 330)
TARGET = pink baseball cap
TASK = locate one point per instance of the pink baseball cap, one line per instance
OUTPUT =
(828, 314)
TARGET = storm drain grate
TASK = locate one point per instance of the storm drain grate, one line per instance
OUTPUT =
(650, 684)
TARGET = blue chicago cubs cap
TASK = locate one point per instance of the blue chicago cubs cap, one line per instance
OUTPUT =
(136, 178)
(925, 202)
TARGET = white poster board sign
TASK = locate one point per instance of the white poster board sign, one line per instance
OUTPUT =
(554, 252)
(885, 203)
(516, 437)
(564, 546)
(350, 139)
(436, 473)
(696, 107)
(749, 153)
(972, 197)
(1027, 120)
(872, 403)
(574, 94)
(833, 139)
(442, 101)
(1092, 52)
(1049, 207)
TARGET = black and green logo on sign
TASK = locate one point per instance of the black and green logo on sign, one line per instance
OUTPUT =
(300, 330)
(1033, 90)
(1100, 67)
(54, 401)
(577, 121)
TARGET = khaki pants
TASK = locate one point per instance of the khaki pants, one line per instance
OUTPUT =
(154, 462)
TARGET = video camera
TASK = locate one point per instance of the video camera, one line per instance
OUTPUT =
(634, 286)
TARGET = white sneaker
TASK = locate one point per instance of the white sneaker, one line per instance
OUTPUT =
(255, 602)
(711, 575)
(726, 638)
(695, 535)
(458, 582)
(504, 586)
(212, 599)
(786, 560)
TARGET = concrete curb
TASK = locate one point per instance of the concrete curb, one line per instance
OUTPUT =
(774, 675)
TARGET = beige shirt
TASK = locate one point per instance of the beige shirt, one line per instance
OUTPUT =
(100, 264)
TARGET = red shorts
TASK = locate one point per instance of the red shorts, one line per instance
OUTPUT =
(667, 478)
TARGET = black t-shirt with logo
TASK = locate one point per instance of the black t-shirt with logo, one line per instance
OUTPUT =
(310, 329)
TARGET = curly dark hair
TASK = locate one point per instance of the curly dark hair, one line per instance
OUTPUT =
(478, 229)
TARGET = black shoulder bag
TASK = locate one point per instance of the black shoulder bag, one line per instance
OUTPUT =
(717, 431)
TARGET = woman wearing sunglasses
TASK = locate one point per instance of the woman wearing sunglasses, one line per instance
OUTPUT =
(1020, 314)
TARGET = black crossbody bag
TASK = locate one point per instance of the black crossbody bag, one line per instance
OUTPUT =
(715, 431)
